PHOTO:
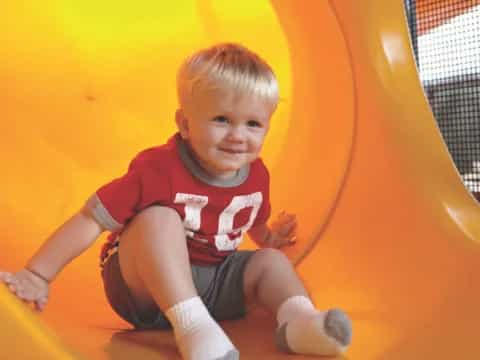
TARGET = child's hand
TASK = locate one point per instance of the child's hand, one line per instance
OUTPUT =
(27, 286)
(283, 231)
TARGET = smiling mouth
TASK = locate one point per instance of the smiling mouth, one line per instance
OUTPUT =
(232, 151)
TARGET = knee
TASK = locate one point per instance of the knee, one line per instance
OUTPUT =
(269, 257)
(263, 262)
(158, 215)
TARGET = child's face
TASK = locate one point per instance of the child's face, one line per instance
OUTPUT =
(225, 130)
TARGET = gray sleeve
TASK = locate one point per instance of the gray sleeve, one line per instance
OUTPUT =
(101, 215)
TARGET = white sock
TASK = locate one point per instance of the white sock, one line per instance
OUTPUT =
(304, 330)
(198, 335)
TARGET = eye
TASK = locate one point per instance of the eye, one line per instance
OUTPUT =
(220, 119)
(254, 123)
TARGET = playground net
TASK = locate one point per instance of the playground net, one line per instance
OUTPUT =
(446, 41)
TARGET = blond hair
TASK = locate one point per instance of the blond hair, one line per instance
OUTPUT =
(227, 66)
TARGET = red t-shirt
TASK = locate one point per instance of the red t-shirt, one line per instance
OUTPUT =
(215, 218)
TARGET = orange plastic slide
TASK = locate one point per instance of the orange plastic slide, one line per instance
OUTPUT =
(387, 230)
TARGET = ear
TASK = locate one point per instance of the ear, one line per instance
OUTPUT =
(182, 123)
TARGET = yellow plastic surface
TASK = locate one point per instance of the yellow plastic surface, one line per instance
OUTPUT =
(387, 230)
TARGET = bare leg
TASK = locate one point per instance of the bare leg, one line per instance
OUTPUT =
(154, 262)
(271, 280)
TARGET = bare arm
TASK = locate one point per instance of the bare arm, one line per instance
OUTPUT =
(70, 240)
(31, 284)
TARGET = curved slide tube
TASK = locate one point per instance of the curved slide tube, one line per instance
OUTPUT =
(388, 231)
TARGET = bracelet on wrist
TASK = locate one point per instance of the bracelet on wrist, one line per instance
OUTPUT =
(38, 275)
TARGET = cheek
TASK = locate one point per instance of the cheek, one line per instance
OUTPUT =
(256, 143)
(213, 134)
(204, 137)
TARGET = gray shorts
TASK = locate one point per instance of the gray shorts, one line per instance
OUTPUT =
(220, 287)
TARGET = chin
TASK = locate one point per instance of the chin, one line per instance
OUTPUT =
(226, 166)
(234, 167)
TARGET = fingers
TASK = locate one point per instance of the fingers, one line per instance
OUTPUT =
(25, 291)
(289, 229)
(30, 295)
(41, 303)
(286, 225)
(282, 241)
(6, 277)
(10, 281)
(287, 242)
(283, 244)
(31, 298)
(283, 219)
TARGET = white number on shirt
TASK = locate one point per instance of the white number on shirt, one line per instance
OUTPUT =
(193, 208)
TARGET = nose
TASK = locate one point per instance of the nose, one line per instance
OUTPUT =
(236, 134)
